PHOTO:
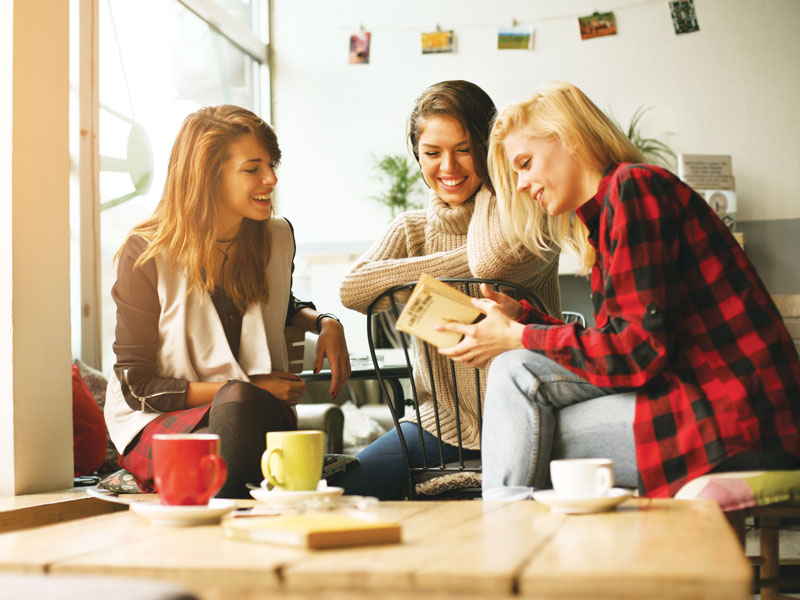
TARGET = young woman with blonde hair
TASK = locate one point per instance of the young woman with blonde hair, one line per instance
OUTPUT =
(682, 321)
(203, 293)
(457, 235)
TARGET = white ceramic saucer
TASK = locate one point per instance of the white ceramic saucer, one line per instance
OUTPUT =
(182, 516)
(285, 498)
(581, 505)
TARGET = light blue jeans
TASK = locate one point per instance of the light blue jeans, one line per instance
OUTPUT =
(524, 393)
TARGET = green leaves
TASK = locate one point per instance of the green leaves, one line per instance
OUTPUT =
(404, 182)
(654, 150)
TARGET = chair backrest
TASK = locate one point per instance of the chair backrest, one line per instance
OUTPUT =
(570, 316)
(295, 347)
(420, 356)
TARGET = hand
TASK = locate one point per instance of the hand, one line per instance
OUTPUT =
(332, 345)
(487, 338)
(507, 305)
(286, 387)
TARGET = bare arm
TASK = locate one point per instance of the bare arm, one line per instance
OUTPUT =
(331, 344)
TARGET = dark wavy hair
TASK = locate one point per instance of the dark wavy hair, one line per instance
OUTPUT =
(468, 104)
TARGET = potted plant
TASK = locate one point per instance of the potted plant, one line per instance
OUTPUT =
(404, 182)
(654, 150)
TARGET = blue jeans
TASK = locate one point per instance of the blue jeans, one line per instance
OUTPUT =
(524, 390)
(381, 469)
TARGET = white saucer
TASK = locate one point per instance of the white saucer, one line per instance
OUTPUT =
(285, 498)
(181, 516)
(581, 505)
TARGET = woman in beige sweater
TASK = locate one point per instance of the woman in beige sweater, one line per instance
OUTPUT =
(457, 235)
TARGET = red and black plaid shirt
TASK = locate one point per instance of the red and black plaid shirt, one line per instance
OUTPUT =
(682, 317)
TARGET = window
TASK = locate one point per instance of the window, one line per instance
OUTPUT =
(158, 61)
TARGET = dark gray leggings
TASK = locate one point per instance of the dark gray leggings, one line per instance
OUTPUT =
(242, 414)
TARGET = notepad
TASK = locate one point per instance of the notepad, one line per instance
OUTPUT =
(432, 303)
(313, 530)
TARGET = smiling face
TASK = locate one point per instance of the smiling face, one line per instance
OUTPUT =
(245, 191)
(446, 160)
(548, 172)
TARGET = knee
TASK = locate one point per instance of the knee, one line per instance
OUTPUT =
(239, 395)
(510, 368)
(506, 363)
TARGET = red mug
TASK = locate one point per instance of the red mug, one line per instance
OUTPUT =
(188, 469)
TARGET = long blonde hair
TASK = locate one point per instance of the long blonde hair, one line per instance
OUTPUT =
(184, 224)
(562, 111)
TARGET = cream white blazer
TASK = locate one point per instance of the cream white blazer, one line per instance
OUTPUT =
(192, 343)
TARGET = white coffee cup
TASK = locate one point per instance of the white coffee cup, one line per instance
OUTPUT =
(582, 477)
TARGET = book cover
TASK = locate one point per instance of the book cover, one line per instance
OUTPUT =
(313, 530)
(431, 303)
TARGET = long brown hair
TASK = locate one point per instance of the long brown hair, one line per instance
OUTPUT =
(466, 103)
(184, 224)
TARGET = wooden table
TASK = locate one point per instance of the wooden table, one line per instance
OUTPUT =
(464, 549)
(34, 510)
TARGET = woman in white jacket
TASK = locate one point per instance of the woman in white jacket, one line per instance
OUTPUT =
(203, 293)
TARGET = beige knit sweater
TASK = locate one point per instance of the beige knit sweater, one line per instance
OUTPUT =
(444, 241)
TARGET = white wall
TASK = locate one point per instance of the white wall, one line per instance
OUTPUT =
(731, 88)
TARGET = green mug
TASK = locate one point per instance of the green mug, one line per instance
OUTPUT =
(293, 459)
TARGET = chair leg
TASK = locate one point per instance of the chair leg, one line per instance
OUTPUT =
(736, 519)
(770, 568)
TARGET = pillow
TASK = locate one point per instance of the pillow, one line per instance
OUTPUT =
(736, 490)
(88, 428)
(449, 482)
(359, 428)
(333, 464)
(120, 482)
(97, 383)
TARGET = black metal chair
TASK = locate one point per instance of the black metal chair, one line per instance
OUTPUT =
(571, 316)
(443, 480)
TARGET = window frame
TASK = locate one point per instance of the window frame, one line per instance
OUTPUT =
(87, 344)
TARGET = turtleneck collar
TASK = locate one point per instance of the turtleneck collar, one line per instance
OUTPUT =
(451, 219)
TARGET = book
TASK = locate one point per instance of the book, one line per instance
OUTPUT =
(313, 530)
(431, 303)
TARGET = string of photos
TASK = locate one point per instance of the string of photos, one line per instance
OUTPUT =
(520, 37)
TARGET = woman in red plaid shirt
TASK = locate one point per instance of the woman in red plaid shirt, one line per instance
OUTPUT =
(682, 320)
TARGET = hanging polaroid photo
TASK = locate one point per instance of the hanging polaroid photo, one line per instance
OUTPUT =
(359, 48)
(598, 25)
(684, 19)
(515, 38)
(438, 42)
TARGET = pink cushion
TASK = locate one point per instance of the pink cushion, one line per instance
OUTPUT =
(744, 489)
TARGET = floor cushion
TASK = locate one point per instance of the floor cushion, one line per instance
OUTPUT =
(737, 490)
